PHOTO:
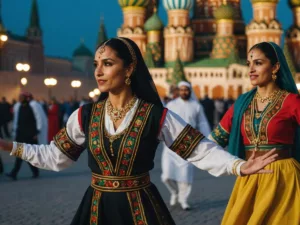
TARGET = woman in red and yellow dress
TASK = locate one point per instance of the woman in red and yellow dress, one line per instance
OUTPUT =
(265, 118)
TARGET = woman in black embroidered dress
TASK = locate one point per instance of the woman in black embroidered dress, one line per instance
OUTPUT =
(121, 132)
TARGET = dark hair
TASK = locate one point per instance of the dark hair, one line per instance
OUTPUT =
(268, 50)
(142, 84)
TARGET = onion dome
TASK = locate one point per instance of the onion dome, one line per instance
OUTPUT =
(153, 23)
(294, 3)
(82, 50)
(224, 12)
(178, 4)
(139, 3)
(257, 1)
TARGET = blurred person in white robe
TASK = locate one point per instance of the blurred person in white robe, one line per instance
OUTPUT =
(177, 174)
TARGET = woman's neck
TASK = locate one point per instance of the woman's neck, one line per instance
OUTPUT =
(265, 91)
(119, 100)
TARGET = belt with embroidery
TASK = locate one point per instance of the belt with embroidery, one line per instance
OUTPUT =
(283, 151)
(120, 183)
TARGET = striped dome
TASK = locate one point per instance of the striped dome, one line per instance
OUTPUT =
(126, 3)
(178, 4)
(224, 12)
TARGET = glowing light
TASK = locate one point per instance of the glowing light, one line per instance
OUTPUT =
(76, 83)
(96, 91)
(92, 94)
(24, 81)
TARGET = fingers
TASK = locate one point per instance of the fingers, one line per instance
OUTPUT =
(265, 171)
(268, 154)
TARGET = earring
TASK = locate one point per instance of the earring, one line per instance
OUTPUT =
(127, 81)
(274, 76)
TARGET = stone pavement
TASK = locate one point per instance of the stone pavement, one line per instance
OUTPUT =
(54, 197)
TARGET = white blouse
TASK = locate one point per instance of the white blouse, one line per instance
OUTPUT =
(206, 156)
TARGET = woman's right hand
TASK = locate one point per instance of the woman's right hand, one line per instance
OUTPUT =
(5, 145)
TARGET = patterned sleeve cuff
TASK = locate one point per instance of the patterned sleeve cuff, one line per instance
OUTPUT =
(17, 150)
(67, 146)
(186, 141)
(236, 168)
(220, 136)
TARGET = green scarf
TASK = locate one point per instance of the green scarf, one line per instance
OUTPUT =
(285, 81)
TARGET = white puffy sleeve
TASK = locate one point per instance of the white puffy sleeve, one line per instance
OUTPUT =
(65, 148)
(191, 145)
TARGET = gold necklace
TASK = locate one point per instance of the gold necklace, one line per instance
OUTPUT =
(267, 98)
(117, 114)
(112, 138)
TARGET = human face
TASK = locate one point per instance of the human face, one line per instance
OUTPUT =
(184, 92)
(260, 68)
(110, 72)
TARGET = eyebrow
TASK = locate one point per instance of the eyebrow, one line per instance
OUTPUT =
(106, 59)
(255, 60)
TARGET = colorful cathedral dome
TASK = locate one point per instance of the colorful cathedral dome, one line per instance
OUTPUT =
(153, 23)
(178, 4)
(224, 12)
(294, 3)
(127, 3)
(257, 1)
(82, 50)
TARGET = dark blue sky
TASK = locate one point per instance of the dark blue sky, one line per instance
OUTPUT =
(66, 22)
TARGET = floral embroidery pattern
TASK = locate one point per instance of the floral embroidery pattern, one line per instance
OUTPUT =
(120, 184)
(137, 208)
(131, 141)
(271, 111)
(96, 141)
(19, 151)
(220, 135)
(66, 145)
(94, 207)
(186, 141)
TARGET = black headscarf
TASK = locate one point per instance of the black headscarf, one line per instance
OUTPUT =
(142, 84)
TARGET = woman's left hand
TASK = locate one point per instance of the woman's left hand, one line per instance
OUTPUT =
(257, 164)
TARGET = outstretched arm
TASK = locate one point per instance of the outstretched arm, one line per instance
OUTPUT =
(191, 145)
(60, 154)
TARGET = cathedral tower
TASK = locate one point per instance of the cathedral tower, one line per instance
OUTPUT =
(178, 34)
(264, 26)
(134, 13)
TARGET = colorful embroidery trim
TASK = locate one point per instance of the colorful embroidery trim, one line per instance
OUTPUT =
(19, 151)
(220, 135)
(137, 208)
(271, 111)
(96, 142)
(130, 143)
(186, 141)
(95, 207)
(66, 145)
(120, 183)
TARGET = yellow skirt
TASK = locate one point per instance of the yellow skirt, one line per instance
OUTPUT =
(266, 199)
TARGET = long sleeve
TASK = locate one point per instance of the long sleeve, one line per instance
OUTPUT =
(202, 123)
(221, 133)
(65, 148)
(37, 116)
(191, 145)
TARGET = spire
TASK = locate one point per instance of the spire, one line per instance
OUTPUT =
(178, 72)
(289, 59)
(2, 28)
(34, 30)
(102, 32)
(34, 18)
(149, 58)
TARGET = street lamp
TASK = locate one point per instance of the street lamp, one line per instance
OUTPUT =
(3, 37)
(22, 68)
(96, 91)
(50, 82)
(24, 81)
(76, 84)
(92, 94)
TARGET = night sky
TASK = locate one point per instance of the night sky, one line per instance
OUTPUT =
(66, 22)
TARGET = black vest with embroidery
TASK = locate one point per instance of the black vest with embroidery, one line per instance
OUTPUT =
(134, 151)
